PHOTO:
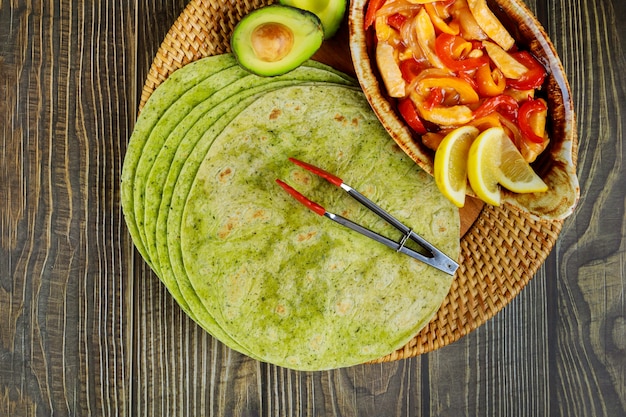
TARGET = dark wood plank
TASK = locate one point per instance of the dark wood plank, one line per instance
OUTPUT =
(500, 368)
(64, 338)
(588, 342)
(179, 368)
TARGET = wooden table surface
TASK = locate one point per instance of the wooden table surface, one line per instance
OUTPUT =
(87, 330)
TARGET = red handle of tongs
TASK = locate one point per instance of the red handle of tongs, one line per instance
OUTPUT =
(311, 205)
(319, 172)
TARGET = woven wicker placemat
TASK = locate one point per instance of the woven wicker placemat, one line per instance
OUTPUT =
(500, 253)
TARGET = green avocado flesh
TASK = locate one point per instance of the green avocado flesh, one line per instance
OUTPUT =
(330, 12)
(249, 264)
(276, 39)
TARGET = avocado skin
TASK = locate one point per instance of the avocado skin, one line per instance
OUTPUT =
(308, 35)
(331, 14)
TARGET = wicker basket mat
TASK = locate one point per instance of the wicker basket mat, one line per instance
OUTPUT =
(500, 252)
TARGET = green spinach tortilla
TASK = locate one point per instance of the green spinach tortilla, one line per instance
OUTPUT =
(180, 169)
(180, 115)
(243, 259)
(293, 288)
(160, 101)
(176, 188)
(174, 150)
(181, 110)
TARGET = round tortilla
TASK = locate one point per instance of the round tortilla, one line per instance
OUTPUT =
(165, 155)
(160, 101)
(293, 288)
(179, 112)
(189, 152)
(176, 188)
(178, 118)
(178, 182)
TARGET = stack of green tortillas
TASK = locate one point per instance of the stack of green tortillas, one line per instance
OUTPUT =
(246, 261)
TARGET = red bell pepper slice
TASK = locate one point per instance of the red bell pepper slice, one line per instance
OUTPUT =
(396, 20)
(507, 104)
(468, 78)
(370, 14)
(410, 69)
(409, 114)
(435, 98)
(535, 76)
(523, 120)
(443, 46)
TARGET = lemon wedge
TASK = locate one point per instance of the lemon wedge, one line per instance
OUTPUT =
(494, 160)
(450, 168)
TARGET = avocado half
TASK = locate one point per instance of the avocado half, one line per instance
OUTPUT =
(276, 39)
(330, 12)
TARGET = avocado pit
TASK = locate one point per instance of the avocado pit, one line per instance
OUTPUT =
(272, 41)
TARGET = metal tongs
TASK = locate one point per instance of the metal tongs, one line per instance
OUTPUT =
(437, 259)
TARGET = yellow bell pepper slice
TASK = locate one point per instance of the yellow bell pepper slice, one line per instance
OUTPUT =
(490, 83)
(439, 23)
(383, 30)
(489, 121)
(464, 90)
